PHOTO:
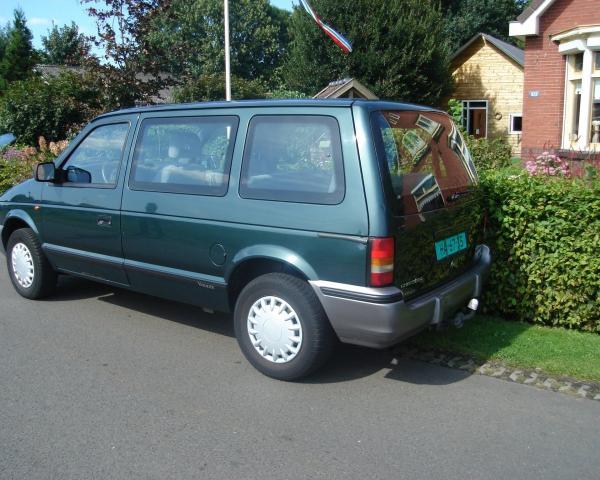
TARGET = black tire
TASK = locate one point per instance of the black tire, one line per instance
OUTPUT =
(318, 338)
(44, 277)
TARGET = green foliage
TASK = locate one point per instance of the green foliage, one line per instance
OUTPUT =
(282, 93)
(545, 234)
(455, 110)
(489, 154)
(465, 18)
(399, 49)
(212, 87)
(519, 344)
(65, 46)
(189, 36)
(18, 56)
(131, 72)
(52, 107)
(16, 165)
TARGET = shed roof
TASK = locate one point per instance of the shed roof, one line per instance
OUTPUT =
(339, 88)
(515, 53)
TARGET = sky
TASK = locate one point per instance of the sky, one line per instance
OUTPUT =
(41, 13)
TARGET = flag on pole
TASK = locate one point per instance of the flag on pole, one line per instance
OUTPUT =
(338, 38)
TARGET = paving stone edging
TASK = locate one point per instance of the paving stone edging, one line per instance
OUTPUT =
(533, 377)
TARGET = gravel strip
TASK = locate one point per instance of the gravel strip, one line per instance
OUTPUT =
(533, 377)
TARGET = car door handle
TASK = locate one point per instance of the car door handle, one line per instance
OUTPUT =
(104, 220)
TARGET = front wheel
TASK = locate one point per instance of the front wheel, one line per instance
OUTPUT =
(281, 327)
(29, 270)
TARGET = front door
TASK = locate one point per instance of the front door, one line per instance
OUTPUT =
(479, 123)
(81, 221)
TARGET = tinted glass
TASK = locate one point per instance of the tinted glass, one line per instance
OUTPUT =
(293, 158)
(97, 158)
(578, 62)
(517, 123)
(184, 155)
(425, 159)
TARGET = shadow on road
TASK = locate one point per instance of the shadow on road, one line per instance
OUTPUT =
(347, 364)
(351, 363)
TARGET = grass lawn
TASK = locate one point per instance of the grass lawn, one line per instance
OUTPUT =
(555, 350)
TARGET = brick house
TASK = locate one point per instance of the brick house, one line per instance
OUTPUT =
(561, 97)
(488, 81)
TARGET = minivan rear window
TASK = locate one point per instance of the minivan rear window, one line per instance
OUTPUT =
(425, 161)
(293, 158)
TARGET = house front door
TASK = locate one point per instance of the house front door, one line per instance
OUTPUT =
(479, 123)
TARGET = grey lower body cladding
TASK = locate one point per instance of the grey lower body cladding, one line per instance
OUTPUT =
(379, 317)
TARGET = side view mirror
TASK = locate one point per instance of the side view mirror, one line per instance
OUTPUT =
(45, 172)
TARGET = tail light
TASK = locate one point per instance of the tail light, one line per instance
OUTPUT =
(382, 261)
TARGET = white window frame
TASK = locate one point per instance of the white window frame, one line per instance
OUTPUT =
(510, 124)
(586, 41)
(465, 109)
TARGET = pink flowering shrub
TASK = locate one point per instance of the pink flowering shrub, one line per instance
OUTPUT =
(17, 162)
(548, 164)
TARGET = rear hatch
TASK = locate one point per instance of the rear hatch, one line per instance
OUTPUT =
(429, 181)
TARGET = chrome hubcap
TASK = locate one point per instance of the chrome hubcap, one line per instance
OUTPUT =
(22, 265)
(274, 329)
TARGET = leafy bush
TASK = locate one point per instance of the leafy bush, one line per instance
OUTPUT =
(53, 107)
(489, 154)
(17, 163)
(545, 236)
(212, 87)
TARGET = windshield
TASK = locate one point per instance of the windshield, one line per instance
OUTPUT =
(425, 159)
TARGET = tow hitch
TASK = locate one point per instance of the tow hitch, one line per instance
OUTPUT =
(461, 317)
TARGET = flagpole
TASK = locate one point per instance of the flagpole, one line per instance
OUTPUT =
(227, 59)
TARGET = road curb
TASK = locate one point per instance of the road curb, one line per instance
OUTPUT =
(532, 377)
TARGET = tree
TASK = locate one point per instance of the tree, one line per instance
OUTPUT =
(131, 72)
(53, 107)
(191, 33)
(207, 87)
(399, 49)
(4, 31)
(466, 18)
(18, 57)
(65, 46)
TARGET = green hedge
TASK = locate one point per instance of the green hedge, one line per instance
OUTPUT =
(14, 170)
(545, 236)
(55, 107)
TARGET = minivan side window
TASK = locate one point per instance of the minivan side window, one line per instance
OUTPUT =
(293, 158)
(184, 155)
(97, 159)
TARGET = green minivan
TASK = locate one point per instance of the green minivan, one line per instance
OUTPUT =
(312, 221)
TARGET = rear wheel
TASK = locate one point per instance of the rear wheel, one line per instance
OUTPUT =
(282, 328)
(29, 270)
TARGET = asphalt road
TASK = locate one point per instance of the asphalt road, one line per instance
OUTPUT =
(99, 383)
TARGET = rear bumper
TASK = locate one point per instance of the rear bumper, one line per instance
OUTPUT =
(379, 317)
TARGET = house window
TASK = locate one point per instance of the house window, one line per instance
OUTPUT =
(576, 108)
(595, 134)
(574, 136)
(474, 117)
(578, 62)
(515, 123)
(581, 130)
